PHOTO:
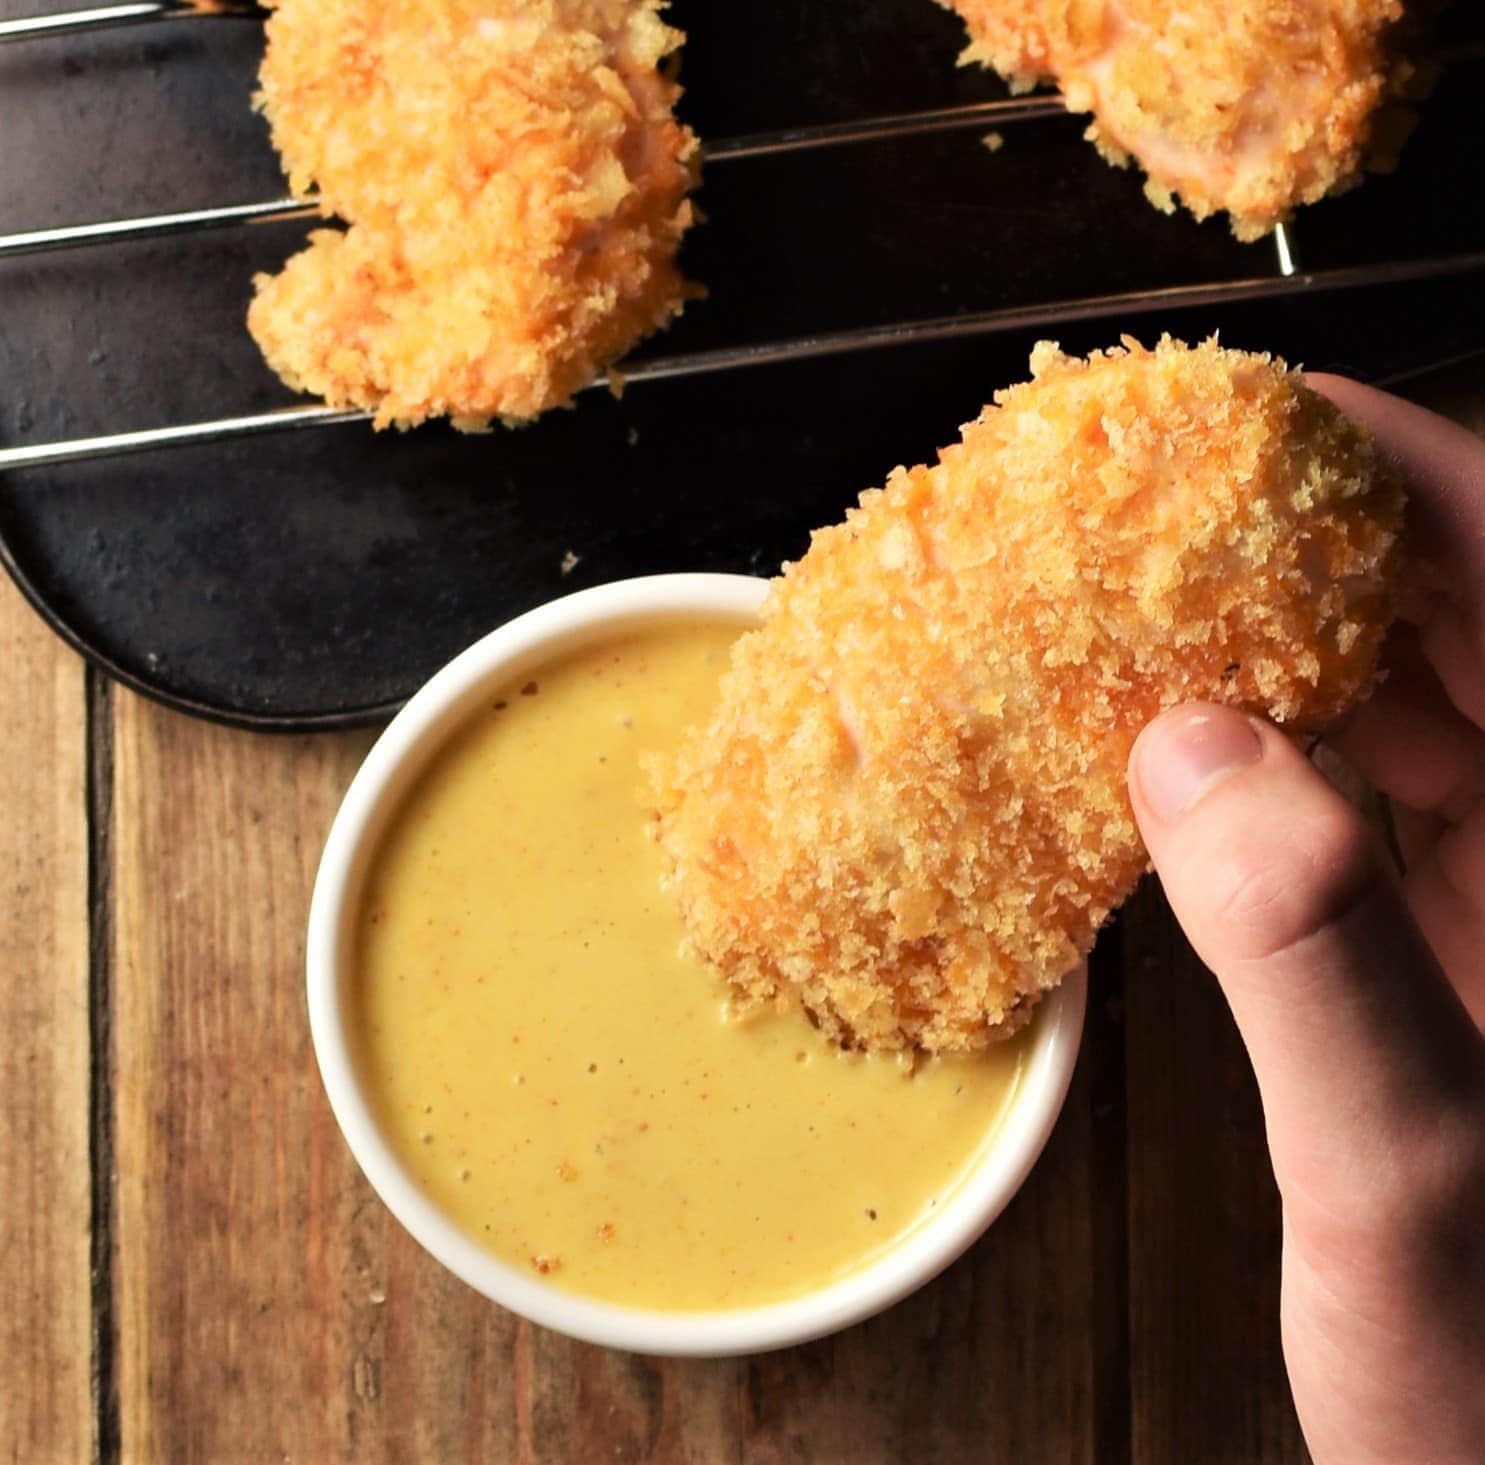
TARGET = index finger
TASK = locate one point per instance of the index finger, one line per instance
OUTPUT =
(1443, 469)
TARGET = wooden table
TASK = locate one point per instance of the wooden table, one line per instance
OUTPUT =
(193, 1269)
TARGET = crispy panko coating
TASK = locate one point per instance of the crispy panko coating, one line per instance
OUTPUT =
(909, 811)
(516, 187)
(1253, 106)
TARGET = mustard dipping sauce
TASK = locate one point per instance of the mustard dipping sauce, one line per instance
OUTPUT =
(565, 1084)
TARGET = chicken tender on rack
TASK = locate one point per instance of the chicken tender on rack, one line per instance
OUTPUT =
(516, 190)
(1252, 106)
(909, 811)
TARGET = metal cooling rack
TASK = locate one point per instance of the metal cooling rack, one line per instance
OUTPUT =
(1286, 279)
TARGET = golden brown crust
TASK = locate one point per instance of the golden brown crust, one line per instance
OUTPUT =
(516, 187)
(909, 811)
(1252, 106)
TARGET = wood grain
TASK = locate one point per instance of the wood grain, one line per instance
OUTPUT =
(1207, 1377)
(245, 1251)
(46, 1410)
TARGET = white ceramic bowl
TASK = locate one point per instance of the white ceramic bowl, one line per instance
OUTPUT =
(403, 750)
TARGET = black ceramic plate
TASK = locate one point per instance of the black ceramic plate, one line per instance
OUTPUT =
(315, 579)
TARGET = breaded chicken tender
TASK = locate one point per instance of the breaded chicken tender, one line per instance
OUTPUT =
(1252, 106)
(909, 811)
(516, 190)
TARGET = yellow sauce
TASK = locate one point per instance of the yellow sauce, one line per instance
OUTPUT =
(567, 1085)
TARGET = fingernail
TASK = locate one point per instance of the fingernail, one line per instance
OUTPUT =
(1185, 753)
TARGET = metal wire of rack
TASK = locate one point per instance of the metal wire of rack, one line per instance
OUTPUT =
(1287, 278)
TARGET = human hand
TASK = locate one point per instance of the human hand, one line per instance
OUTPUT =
(1361, 996)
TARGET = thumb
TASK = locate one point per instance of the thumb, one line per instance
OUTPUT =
(1288, 896)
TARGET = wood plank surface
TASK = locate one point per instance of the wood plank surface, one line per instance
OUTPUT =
(1207, 1379)
(46, 1410)
(244, 1255)
(269, 1308)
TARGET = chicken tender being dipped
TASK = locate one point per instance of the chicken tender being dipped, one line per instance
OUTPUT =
(909, 811)
(516, 190)
(1252, 106)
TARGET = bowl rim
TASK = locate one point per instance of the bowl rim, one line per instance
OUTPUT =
(394, 762)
